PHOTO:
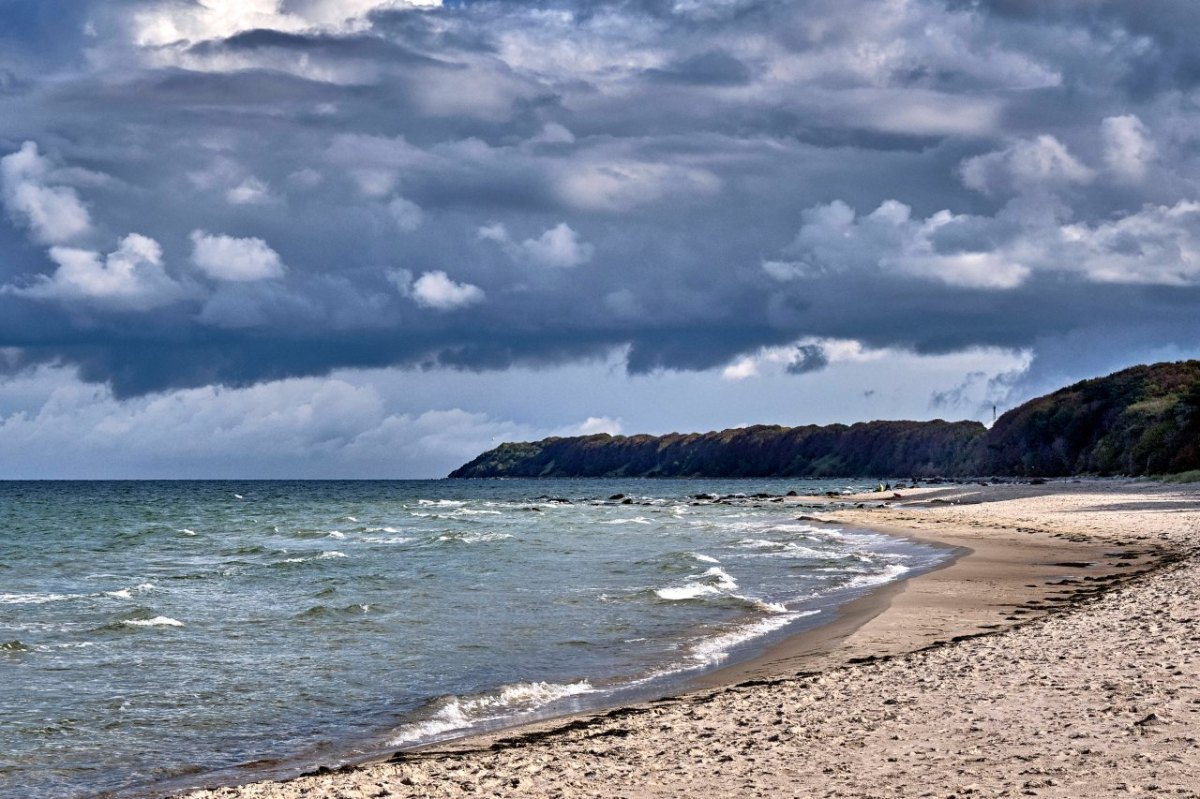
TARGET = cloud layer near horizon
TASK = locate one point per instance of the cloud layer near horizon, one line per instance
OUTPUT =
(234, 193)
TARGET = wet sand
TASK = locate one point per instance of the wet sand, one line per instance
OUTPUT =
(1056, 656)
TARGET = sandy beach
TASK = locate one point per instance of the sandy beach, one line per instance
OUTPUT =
(1056, 656)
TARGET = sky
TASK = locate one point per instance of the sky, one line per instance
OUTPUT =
(373, 238)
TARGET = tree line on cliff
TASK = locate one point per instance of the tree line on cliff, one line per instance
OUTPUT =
(1140, 421)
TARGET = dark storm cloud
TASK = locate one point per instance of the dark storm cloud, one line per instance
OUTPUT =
(713, 68)
(482, 185)
(809, 358)
(365, 47)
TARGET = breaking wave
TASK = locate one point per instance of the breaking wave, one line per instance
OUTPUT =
(510, 701)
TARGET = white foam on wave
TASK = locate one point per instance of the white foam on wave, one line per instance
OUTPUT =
(714, 580)
(457, 713)
(335, 534)
(127, 593)
(473, 538)
(723, 578)
(441, 503)
(382, 530)
(835, 533)
(396, 539)
(684, 592)
(350, 519)
(713, 650)
(704, 558)
(797, 528)
(891, 572)
(333, 553)
(34, 599)
(763, 605)
(471, 512)
(634, 520)
(186, 531)
(157, 621)
(781, 548)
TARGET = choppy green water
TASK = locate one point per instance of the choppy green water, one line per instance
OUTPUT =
(170, 633)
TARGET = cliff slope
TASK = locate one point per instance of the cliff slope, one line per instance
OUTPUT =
(1143, 420)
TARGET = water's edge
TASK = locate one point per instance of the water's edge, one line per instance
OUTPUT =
(838, 618)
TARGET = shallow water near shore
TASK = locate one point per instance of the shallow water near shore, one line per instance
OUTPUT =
(161, 634)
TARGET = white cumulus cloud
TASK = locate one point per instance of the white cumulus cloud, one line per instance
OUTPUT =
(834, 239)
(1024, 165)
(54, 214)
(436, 290)
(560, 246)
(233, 259)
(132, 277)
(250, 191)
(1158, 244)
(597, 424)
(1128, 149)
(158, 24)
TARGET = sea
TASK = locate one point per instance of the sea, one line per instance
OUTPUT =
(157, 635)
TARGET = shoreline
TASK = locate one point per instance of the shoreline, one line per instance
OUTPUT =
(1005, 575)
(877, 625)
(847, 616)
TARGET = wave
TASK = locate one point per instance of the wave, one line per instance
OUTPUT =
(36, 599)
(685, 592)
(722, 578)
(472, 538)
(890, 573)
(127, 593)
(803, 529)
(704, 558)
(157, 621)
(762, 604)
(713, 650)
(713, 581)
(326, 610)
(788, 549)
(634, 520)
(186, 531)
(327, 555)
(458, 714)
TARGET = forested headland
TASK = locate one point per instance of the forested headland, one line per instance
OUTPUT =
(1140, 421)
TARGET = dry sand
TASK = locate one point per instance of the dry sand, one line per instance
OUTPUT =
(1059, 657)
